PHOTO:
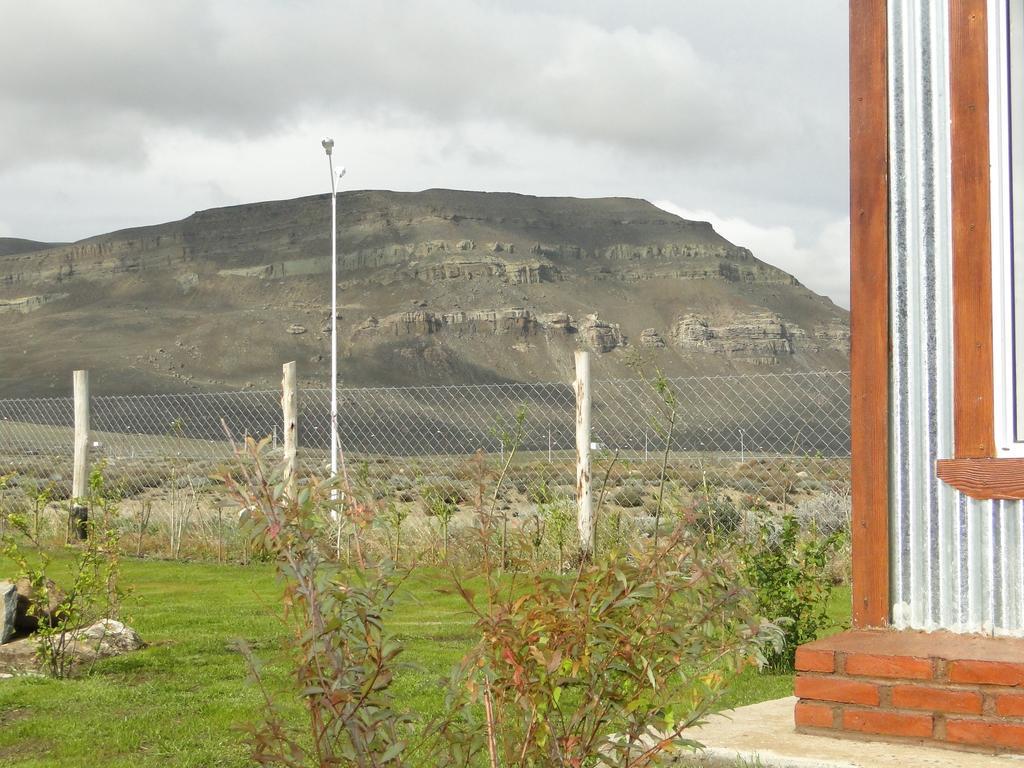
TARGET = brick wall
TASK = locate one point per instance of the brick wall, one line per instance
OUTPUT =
(956, 691)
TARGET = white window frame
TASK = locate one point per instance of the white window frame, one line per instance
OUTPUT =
(1006, 22)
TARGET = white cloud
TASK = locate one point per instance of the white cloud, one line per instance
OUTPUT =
(119, 113)
(246, 69)
(823, 266)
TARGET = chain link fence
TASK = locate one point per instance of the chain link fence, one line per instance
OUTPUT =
(710, 443)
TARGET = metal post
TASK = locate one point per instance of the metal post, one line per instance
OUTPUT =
(80, 477)
(549, 445)
(334, 326)
(328, 145)
(290, 412)
(584, 501)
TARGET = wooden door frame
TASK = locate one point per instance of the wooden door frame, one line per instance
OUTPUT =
(869, 305)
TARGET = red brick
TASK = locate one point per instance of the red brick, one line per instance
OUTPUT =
(810, 660)
(903, 667)
(986, 672)
(888, 723)
(936, 699)
(1010, 705)
(985, 733)
(836, 689)
(813, 715)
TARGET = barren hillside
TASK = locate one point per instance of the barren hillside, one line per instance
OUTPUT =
(435, 287)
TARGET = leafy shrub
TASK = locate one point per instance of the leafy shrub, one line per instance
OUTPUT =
(808, 485)
(542, 493)
(40, 496)
(94, 590)
(610, 665)
(829, 512)
(746, 485)
(630, 495)
(778, 492)
(344, 660)
(789, 571)
(557, 517)
(393, 517)
(716, 517)
(441, 503)
(400, 482)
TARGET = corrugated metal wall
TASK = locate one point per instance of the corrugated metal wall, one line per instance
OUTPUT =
(957, 563)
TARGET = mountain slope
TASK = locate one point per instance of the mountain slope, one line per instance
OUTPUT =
(434, 287)
(13, 245)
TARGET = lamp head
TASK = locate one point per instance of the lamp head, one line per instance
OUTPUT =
(328, 145)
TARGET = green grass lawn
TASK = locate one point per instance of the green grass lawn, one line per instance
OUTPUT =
(183, 700)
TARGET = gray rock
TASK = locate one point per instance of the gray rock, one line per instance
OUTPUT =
(30, 609)
(558, 321)
(109, 637)
(761, 338)
(650, 338)
(187, 282)
(601, 336)
(20, 656)
(97, 641)
(834, 335)
(8, 609)
(513, 321)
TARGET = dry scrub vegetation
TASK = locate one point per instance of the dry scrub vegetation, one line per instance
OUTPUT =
(570, 661)
(180, 509)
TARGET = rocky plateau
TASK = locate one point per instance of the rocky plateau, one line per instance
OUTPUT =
(440, 286)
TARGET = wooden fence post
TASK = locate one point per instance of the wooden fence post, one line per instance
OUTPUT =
(80, 476)
(290, 410)
(584, 500)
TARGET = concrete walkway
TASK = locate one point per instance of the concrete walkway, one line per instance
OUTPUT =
(762, 735)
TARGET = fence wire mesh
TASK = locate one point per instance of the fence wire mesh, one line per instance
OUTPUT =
(710, 441)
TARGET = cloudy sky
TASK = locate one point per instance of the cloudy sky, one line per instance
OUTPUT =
(119, 113)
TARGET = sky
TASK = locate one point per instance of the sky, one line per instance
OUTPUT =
(120, 113)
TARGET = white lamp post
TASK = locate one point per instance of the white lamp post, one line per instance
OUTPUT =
(328, 145)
